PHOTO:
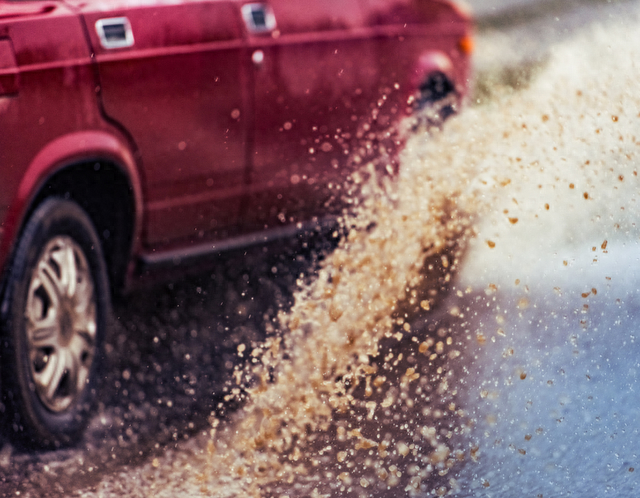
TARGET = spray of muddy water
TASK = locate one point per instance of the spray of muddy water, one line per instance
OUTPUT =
(358, 395)
(330, 365)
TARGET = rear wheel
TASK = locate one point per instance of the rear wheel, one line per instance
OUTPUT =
(436, 101)
(57, 305)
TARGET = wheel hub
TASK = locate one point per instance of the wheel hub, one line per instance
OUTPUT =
(60, 323)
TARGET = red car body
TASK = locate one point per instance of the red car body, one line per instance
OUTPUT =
(211, 129)
(145, 133)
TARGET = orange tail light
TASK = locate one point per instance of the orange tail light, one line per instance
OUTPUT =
(466, 44)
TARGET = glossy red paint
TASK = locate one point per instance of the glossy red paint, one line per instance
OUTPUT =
(64, 151)
(178, 90)
(53, 96)
(8, 69)
(222, 117)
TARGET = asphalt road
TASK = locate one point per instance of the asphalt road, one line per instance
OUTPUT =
(551, 364)
(171, 351)
(556, 399)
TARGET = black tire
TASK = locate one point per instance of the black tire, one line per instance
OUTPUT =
(436, 87)
(437, 101)
(56, 307)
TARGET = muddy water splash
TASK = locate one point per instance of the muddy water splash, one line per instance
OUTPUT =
(366, 390)
(356, 396)
(562, 169)
(323, 384)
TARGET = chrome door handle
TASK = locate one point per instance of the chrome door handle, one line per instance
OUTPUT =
(259, 18)
(115, 32)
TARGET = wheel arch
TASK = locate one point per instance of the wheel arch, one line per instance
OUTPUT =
(98, 171)
(432, 62)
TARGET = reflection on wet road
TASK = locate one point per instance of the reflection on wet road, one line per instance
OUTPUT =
(555, 394)
(551, 356)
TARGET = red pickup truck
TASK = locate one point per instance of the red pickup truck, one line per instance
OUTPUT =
(144, 134)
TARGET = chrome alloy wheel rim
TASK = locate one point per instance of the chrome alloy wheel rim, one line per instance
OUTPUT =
(60, 320)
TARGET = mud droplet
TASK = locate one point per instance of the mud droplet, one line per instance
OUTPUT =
(473, 453)
(491, 244)
(403, 449)
(345, 478)
(378, 381)
(326, 147)
(439, 455)
(335, 312)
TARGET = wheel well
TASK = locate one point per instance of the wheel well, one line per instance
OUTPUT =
(436, 86)
(103, 190)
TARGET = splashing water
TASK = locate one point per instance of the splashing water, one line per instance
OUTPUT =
(531, 164)
(361, 394)
(327, 365)
(562, 167)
